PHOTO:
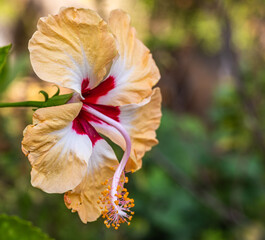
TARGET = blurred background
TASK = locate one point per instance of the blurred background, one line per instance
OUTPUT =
(205, 180)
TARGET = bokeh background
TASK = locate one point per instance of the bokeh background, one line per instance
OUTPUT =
(205, 180)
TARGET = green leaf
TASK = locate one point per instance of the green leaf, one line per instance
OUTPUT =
(14, 228)
(4, 51)
(11, 71)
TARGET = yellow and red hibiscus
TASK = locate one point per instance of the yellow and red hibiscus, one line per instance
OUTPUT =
(112, 74)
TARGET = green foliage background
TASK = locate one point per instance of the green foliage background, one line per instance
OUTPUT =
(205, 180)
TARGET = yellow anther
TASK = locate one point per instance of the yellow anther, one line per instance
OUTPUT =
(109, 187)
(132, 213)
(128, 223)
(116, 228)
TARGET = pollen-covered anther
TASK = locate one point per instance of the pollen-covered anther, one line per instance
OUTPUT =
(105, 183)
(115, 209)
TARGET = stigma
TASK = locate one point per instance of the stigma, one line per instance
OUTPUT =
(115, 204)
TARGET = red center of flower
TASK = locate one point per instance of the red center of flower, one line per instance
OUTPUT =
(82, 123)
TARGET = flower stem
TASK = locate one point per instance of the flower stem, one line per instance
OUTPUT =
(37, 104)
(53, 101)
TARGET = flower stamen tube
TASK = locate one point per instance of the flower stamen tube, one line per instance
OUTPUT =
(115, 197)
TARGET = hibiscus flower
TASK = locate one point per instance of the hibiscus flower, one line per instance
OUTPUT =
(111, 74)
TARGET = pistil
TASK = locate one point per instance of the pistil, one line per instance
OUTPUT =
(115, 198)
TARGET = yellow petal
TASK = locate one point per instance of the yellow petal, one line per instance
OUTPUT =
(134, 70)
(72, 46)
(58, 155)
(145, 121)
(84, 198)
